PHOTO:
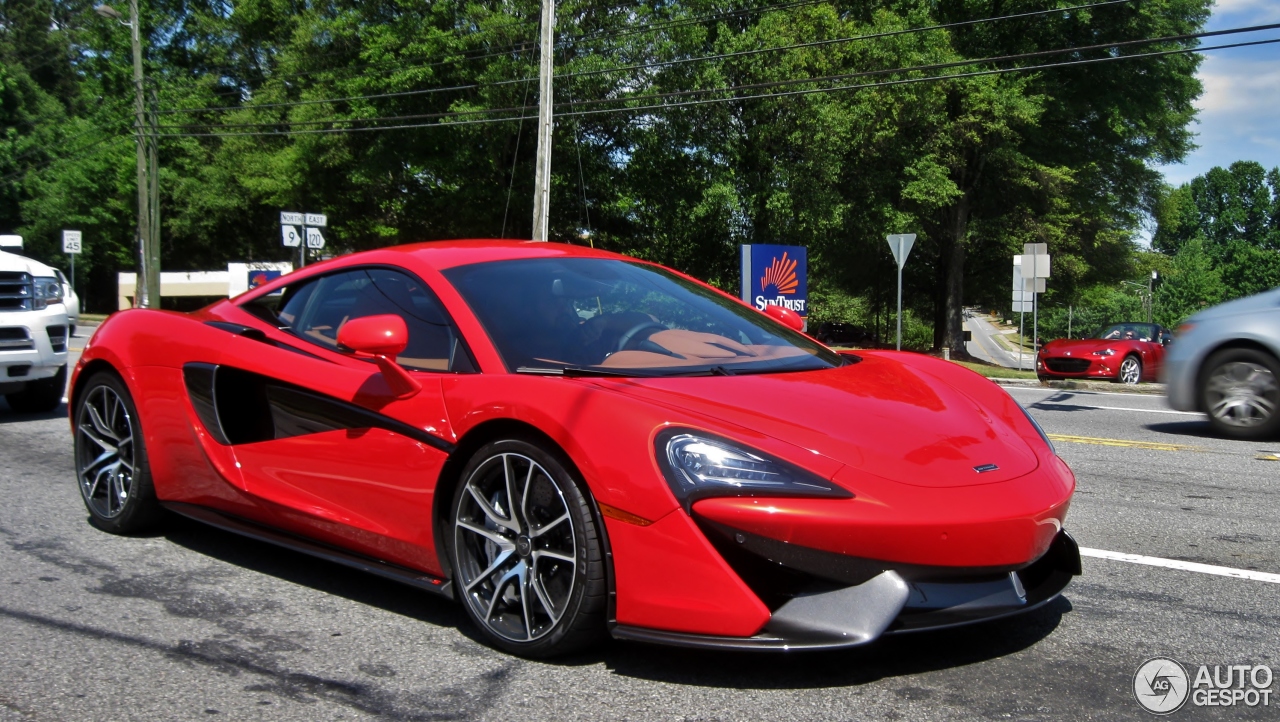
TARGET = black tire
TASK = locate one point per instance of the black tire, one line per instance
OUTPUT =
(1124, 371)
(1240, 390)
(111, 458)
(40, 396)
(484, 552)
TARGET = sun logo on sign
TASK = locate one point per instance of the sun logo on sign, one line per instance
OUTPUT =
(781, 274)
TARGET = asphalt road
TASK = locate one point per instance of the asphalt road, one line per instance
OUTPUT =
(985, 347)
(195, 623)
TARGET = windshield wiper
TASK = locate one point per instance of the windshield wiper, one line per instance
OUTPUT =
(580, 371)
(589, 371)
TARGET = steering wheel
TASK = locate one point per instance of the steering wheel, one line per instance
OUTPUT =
(632, 332)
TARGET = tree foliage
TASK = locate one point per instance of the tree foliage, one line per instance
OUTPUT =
(976, 165)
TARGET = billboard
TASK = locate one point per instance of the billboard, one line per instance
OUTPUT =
(776, 276)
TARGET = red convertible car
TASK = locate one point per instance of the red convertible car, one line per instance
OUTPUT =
(1126, 353)
(575, 444)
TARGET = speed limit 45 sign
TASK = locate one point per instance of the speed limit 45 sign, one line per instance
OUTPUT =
(71, 241)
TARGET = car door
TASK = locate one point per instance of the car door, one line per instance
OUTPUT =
(320, 437)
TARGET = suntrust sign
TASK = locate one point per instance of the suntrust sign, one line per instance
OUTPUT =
(776, 276)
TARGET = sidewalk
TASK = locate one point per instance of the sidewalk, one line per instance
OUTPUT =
(1155, 389)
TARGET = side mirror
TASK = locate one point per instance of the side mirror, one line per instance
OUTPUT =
(382, 338)
(789, 318)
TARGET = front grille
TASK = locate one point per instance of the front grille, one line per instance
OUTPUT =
(1067, 365)
(57, 338)
(16, 371)
(15, 338)
(15, 291)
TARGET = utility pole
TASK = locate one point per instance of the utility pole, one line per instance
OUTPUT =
(147, 293)
(542, 174)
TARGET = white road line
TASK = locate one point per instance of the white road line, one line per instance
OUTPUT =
(1081, 391)
(1050, 406)
(1182, 566)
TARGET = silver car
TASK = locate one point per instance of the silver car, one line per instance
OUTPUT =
(1226, 363)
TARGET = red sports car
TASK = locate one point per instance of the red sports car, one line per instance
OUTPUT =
(574, 444)
(1122, 352)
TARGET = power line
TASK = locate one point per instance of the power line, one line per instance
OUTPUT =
(871, 36)
(912, 81)
(762, 96)
(753, 86)
(506, 50)
(721, 56)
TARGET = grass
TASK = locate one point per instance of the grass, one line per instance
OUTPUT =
(996, 372)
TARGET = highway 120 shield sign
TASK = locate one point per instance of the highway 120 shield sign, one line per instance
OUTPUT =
(776, 276)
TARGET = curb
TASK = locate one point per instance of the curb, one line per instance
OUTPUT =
(1153, 389)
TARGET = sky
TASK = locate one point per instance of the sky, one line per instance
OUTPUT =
(1240, 109)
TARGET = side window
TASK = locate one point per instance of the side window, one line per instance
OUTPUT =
(316, 311)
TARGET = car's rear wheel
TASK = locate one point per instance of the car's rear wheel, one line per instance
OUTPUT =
(526, 552)
(1130, 371)
(1240, 389)
(41, 395)
(111, 458)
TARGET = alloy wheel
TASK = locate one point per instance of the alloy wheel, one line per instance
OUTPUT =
(105, 460)
(1242, 394)
(515, 547)
(1130, 371)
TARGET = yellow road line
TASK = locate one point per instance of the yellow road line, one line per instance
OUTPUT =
(1268, 456)
(1152, 445)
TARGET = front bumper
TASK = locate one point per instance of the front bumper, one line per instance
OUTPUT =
(33, 345)
(822, 614)
(1078, 367)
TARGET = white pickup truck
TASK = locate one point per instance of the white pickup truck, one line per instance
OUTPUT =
(33, 332)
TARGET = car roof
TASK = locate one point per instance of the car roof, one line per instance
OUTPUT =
(448, 254)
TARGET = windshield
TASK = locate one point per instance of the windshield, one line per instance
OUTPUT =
(1127, 332)
(552, 314)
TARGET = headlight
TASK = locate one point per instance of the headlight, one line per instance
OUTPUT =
(1039, 430)
(1105, 352)
(699, 465)
(45, 291)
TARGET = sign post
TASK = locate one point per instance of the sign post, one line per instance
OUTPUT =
(900, 244)
(1029, 273)
(310, 225)
(71, 247)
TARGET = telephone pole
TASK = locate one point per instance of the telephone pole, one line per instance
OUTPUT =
(542, 175)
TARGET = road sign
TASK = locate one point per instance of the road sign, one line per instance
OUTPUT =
(71, 241)
(900, 244)
(289, 235)
(289, 218)
(315, 219)
(314, 239)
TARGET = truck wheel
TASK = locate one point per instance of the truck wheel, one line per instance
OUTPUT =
(41, 395)
(111, 458)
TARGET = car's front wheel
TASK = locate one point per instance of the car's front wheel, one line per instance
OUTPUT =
(1130, 371)
(526, 551)
(1241, 392)
(111, 458)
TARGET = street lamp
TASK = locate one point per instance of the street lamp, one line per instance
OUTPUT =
(147, 293)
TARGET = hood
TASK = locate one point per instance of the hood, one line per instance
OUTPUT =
(879, 416)
(1083, 345)
(1267, 300)
(13, 262)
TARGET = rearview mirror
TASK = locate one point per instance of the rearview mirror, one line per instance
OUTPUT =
(381, 338)
(789, 318)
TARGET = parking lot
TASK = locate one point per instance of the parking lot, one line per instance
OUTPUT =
(191, 622)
